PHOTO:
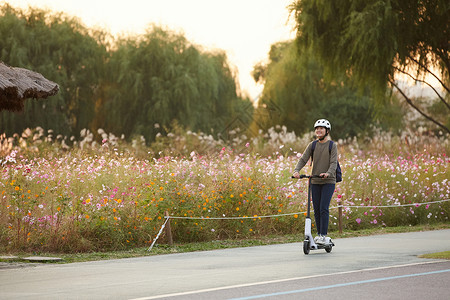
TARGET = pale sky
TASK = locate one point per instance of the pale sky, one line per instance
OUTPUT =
(245, 29)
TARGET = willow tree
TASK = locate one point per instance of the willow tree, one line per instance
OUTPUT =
(378, 41)
(291, 87)
(159, 79)
(296, 94)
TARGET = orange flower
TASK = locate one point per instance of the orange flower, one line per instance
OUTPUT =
(17, 188)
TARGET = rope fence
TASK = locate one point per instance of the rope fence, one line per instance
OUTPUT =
(387, 206)
(339, 207)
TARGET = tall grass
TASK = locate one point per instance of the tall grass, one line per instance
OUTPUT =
(110, 195)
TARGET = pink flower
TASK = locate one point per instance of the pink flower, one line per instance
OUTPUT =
(358, 220)
(247, 145)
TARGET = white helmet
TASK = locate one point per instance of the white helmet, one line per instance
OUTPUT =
(322, 123)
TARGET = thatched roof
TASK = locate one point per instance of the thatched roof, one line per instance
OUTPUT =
(18, 84)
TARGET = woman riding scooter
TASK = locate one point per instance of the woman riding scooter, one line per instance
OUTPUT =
(324, 165)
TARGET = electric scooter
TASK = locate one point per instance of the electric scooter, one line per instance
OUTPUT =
(308, 243)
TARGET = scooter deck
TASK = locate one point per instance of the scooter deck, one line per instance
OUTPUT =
(320, 246)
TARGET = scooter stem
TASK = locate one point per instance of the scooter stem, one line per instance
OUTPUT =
(309, 198)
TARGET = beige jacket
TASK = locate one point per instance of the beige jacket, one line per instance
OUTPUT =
(324, 162)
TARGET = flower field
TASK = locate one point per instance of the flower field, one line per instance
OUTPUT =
(108, 196)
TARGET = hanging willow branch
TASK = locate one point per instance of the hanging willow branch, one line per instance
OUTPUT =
(424, 82)
(410, 102)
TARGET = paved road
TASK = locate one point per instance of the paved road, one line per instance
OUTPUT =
(426, 280)
(376, 266)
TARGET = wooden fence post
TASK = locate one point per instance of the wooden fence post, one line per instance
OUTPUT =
(168, 230)
(340, 215)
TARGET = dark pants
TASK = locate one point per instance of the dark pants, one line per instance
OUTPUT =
(321, 198)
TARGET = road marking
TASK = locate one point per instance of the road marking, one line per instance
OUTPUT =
(280, 280)
(340, 285)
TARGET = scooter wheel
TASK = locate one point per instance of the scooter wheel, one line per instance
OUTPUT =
(328, 249)
(306, 246)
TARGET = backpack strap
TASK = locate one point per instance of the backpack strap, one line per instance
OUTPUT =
(330, 146)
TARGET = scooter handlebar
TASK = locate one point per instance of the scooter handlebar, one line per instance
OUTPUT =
(307, 176)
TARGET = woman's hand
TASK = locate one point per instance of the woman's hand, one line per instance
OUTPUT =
(296, 175)
(324, 175)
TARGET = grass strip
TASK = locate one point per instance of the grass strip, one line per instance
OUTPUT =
(438, 255)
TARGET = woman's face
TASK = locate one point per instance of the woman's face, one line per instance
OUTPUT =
(320, 131)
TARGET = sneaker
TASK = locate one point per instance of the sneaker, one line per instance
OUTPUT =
(320, 240)
(316, 238)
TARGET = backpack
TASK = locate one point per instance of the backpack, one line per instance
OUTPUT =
(338, 168)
